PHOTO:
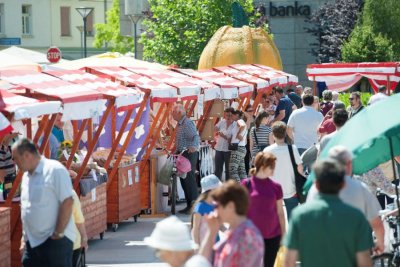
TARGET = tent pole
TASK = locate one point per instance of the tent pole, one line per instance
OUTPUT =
(388, 85)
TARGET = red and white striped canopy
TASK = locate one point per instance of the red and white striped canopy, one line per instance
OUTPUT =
(342, 76)
(124, 96)
(186, 90)
(26, 107)
(78, 101)
(259, 83)
(230, 87)
(274, 78)
(160, 92)
(291, 79)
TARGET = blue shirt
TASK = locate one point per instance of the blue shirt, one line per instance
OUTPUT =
(54, 146)
(58, 133)
(284, 104)
(186, 135)
(203, 208)
(295, 99)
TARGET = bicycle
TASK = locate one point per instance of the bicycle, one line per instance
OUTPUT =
(392, 258)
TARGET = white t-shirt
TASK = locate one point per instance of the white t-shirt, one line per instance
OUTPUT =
(222, 144)
(236, 129)
(357, 195)
(284, 174)
(377, 97)
(305, 122)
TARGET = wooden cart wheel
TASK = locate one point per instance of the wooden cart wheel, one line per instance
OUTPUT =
(115, 227)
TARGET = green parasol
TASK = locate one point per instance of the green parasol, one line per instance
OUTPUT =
(373, 136)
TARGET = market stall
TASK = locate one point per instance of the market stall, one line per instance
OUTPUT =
(341, 76)
(161, 97)
(123, 194)
(23, 108)
(80, 105)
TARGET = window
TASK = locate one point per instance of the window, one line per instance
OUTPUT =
(89, 24)
(2, 18)
(65, 21)
(27, 19)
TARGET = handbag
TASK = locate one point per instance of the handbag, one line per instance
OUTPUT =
(164, 177)
(182, 164)
(299, 179)
(233, 146)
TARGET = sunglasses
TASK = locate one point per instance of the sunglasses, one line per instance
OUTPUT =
(350, 98)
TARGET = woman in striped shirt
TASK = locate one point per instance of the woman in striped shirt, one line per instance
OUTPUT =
(260, 134)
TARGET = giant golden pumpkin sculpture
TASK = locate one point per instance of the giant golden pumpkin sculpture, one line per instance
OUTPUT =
(240, 44)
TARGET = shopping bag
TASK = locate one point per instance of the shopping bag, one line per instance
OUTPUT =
(280, 257)
(164, 177)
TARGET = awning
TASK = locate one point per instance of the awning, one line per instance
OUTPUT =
(186, 90)
(78, 101)
(274, 78)
(5, 125)
(26, 107)
(160, 92)
(230, 88)
(292, 79)
(10, 62)
(124, 96)
(261, 84)
(342, 76)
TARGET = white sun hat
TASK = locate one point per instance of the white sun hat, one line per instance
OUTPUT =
(209, 182)
(171, 234)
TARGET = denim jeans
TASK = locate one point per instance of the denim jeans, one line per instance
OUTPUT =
(222, 158)
(51, 253)
(290, 204)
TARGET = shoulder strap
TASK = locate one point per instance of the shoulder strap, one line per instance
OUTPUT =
(292, 159)
(255, 135)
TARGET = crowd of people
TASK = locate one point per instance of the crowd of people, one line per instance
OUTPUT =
(244, 217)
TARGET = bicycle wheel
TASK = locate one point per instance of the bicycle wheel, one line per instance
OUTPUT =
(383, 260)
(173, 194)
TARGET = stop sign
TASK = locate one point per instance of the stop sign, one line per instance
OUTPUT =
(53, 54)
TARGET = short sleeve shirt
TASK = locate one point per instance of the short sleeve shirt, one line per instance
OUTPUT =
(222, 144)
(186, 135)
(42, 193)
(284, 104)
(326, 230)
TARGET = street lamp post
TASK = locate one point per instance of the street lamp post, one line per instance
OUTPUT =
(80, 29)
(84, 12)
(134, 9)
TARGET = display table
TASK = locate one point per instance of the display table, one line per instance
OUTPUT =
(123, 195)
(94, 209)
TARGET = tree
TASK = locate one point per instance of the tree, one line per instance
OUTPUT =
(177, 31)
(110, 33)
(332, 25)
(383, 18)
(366, 46)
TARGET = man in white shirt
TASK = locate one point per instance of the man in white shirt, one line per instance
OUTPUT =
(46, 208)
(303, 125)
(223, 131)
(379, 96)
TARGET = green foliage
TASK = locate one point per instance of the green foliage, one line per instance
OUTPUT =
(383, 17)
(366, 46)
(178, 30)
(344, 97)
(110, 33)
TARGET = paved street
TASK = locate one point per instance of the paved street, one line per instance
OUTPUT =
(125, 247)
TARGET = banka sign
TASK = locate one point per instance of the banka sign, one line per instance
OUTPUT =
(286, 11)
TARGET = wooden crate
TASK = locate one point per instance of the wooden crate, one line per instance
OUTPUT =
(123, 195)
(5, 242)
(94, 208)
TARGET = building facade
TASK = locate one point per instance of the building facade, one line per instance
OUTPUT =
(40, 24)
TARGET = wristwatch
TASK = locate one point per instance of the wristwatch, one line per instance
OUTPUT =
(58, 235)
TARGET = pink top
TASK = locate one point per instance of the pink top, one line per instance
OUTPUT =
(263, 211)
(241, 247)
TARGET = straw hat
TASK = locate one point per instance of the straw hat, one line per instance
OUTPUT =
(171, 234)
(209, 182)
